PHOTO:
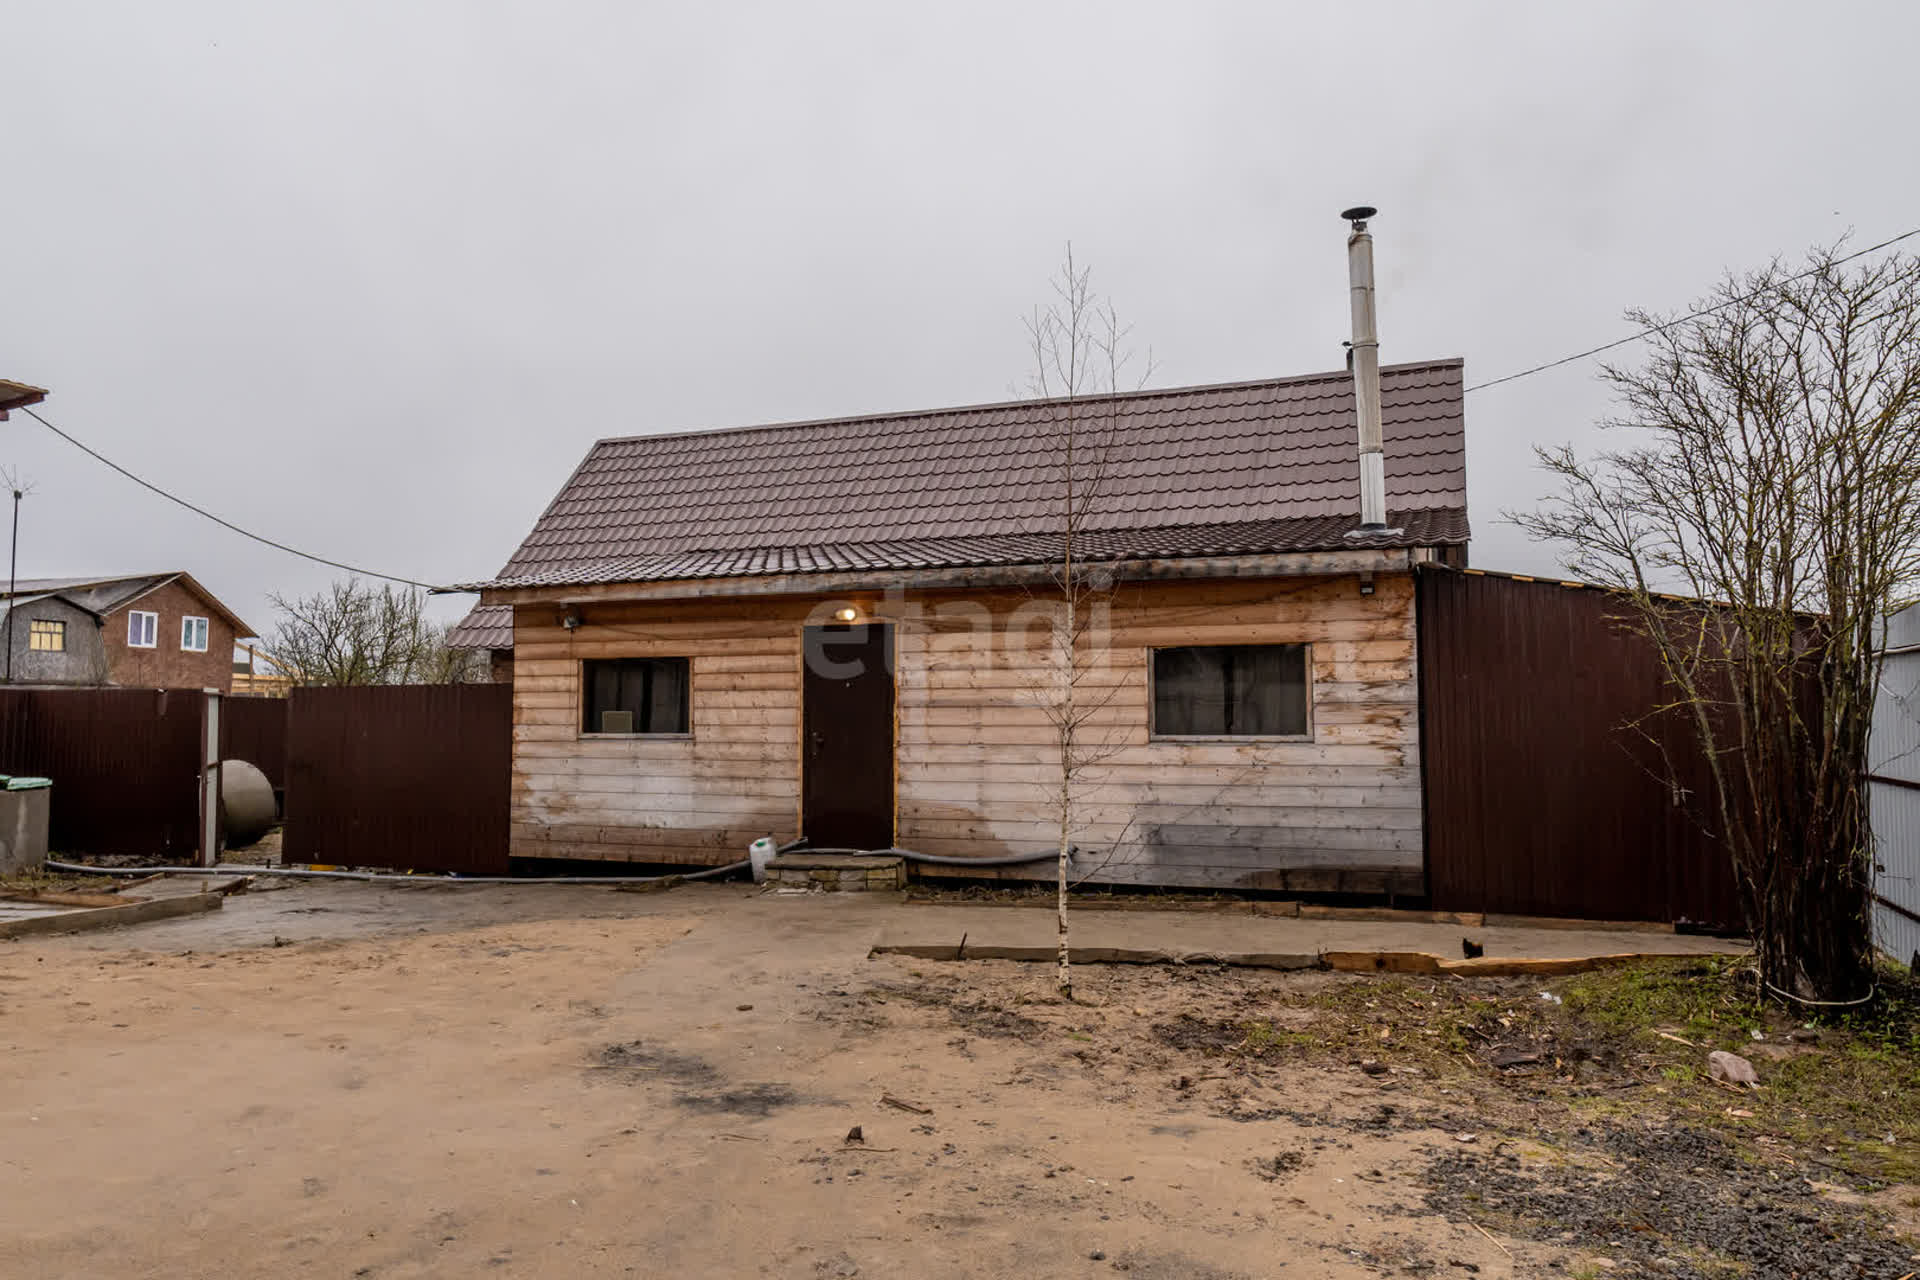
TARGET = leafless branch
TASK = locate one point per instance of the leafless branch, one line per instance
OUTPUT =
(1770, 476)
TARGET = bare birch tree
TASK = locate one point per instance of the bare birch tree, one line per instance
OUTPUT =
(1774, 477)
(1080, 357)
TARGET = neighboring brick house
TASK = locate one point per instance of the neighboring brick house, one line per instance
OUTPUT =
(154, 631)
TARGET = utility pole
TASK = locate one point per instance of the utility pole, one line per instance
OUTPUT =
(15, 395)
(13, 568)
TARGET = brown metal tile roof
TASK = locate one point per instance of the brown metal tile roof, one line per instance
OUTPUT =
(486, 626)
(1437, 527)
(1230, 469)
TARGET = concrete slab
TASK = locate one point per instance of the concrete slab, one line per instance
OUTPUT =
(741, 917)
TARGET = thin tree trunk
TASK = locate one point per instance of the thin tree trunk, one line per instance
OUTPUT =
(1065, 646)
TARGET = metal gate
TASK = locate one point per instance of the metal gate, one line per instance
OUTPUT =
(414, 777)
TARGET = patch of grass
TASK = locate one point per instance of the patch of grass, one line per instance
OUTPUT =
(1697, 998)
(1263, 1037)
(1840, 1095)
(1847, 1096)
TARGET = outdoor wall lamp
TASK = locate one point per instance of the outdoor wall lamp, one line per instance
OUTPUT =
(570, 619)
(1366, 584)
(847, 614)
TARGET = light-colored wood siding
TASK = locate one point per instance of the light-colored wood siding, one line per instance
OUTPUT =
(701, 799)
(976, 768)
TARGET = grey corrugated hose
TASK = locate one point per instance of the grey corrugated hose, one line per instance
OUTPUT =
(937, 859)
(235, 869)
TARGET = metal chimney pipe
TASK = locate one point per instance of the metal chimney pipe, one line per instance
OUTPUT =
(1366, 370)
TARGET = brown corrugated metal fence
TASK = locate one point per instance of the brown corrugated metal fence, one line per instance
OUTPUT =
(1541, 800)
(414, 777)
(125, 765)
(256, 731)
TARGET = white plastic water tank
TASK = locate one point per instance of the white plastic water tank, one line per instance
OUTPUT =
(760, 853)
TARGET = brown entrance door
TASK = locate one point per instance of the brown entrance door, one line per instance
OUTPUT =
(846, 788)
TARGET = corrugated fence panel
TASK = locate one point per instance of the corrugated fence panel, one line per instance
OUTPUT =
(256, 731)
(414, 777)
(1542, 798)
(125, 765)
(1894, 794)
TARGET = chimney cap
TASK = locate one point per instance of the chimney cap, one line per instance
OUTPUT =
(1359, 213)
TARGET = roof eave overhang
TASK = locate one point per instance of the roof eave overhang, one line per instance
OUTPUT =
(18, 395)
(1275, 565)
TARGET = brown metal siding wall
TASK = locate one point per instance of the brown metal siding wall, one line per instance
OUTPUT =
(256, 731)
(413, 777)
(124, 763)
(1540, 799)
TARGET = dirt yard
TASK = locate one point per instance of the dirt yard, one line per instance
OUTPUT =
(349, 1080)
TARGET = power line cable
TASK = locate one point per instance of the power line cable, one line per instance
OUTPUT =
(225, 524)
(1478, 386)
(1705, 311)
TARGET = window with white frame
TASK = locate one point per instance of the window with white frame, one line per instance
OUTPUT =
(143, 629)
(193, 634)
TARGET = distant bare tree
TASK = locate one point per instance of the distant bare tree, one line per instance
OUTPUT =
(441, 664)
(1775, 477)
(1080, 357)
(356, 634)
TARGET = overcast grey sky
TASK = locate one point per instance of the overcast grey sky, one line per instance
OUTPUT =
(370, 277)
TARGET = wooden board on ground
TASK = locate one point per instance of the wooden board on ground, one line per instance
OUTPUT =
(1419, 962)
(1100, 955)
(70, 921)
(67, 898)
(1274, 910)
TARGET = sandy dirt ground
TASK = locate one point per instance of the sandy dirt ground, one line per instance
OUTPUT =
(349, 1080)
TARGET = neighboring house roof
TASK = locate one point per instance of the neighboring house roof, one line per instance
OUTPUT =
(488, 626)
(9, 603)
(1240, 468)
(104, 596)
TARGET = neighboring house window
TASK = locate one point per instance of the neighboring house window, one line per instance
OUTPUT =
(142, 629)
(47, 636)
(193, 634)
(1230, 691)
(634, 695)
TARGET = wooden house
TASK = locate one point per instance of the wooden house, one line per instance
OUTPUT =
(845, 630)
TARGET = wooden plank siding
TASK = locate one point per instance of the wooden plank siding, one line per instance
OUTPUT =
(978, 771)
(695, 800)
(975, 768)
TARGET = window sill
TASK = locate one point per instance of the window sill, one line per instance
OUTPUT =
(640, 737)
(1229, 738)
